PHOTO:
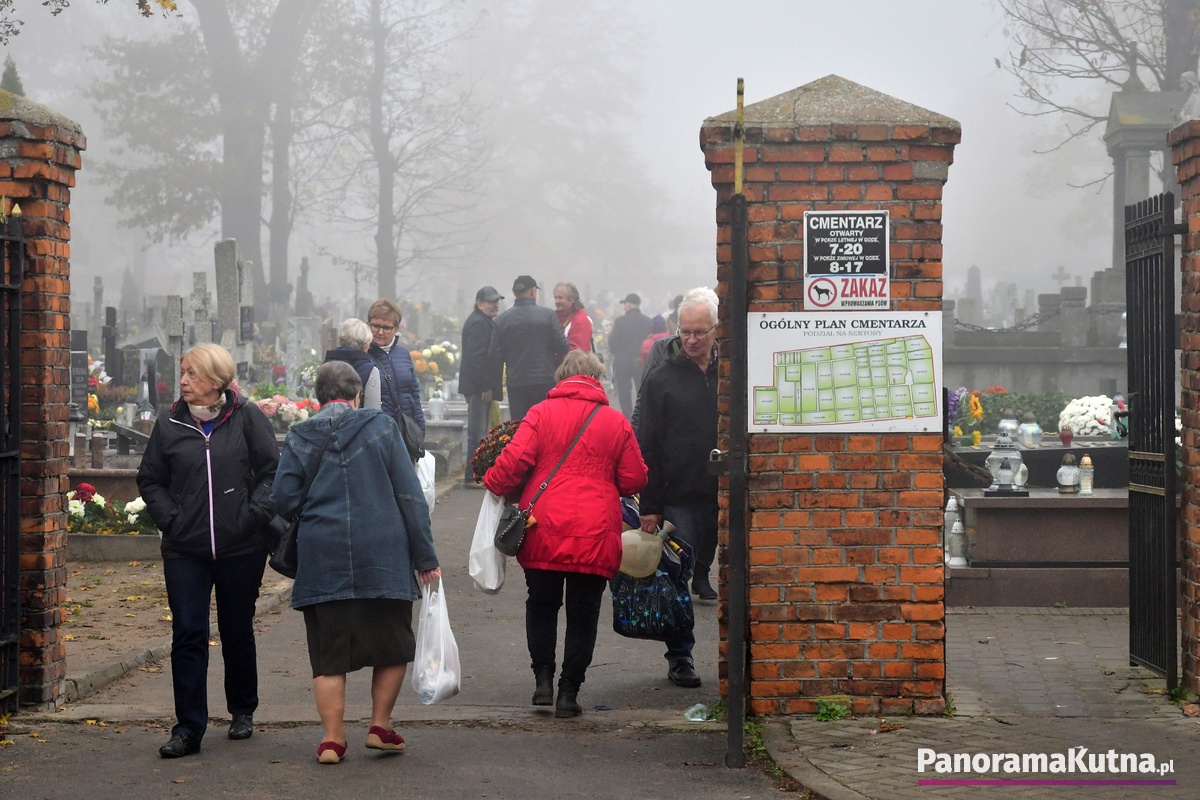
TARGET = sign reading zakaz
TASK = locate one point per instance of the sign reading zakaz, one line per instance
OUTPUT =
(846, 265)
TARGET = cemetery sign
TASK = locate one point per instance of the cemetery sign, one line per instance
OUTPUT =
(846, 260)
(844, 371)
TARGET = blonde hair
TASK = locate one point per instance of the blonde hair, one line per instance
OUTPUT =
(577, 362)
(212, 363)
(385, 309)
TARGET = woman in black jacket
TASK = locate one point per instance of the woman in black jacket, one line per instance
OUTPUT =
(199, 476)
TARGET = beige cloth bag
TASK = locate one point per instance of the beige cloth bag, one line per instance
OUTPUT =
(641, 551)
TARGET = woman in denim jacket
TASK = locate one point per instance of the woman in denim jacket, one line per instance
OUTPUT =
(364, 530)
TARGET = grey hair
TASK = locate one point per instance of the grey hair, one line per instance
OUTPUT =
(337, 380)
(577, 362)
(701, 297)
(353, 332)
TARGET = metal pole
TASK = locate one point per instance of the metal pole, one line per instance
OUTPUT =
(735, 756)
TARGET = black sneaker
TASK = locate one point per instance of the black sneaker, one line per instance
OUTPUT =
(703, 589)
(180, 745)
(682, 673)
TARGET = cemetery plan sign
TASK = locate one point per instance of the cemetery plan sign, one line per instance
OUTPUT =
(846, 260)
(845, 371)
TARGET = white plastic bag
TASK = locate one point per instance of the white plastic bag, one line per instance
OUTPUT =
(436, 673)
(485, 563)
(426, 473)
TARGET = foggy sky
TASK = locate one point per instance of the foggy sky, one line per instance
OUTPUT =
(1006, 210)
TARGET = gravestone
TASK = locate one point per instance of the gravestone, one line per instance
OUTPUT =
(78, 408)
(175, 331)
(108, 344)
(202, 325)
(235, 304)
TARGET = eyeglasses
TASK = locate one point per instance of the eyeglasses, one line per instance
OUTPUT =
(382, 328)
(695, 334)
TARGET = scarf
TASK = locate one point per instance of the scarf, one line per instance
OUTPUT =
(207, 413)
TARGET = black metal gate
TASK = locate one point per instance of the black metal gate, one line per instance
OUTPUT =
(1150, 307)
(12, 266)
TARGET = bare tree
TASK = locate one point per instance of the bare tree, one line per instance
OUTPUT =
(1056, 42)
(409, 143)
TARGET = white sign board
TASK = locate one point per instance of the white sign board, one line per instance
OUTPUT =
(877, 371)
(846, 260)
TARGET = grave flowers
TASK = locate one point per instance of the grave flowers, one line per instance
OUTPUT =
(89, 512)
(492, 445)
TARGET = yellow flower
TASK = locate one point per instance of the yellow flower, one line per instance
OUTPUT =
(976, 409)
(976, 436)
(958, 430)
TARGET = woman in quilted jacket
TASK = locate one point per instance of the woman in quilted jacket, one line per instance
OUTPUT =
(573, 537)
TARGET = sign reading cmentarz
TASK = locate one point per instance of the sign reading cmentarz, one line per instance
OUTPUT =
(846, 263)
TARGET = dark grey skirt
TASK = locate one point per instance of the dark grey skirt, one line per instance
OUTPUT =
(347, 635)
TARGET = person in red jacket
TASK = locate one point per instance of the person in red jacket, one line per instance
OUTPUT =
(573, 536)
(577, 325)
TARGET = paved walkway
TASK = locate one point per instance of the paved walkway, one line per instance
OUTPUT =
(1022, 681)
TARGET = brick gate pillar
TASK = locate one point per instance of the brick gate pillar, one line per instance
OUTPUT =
(39, 154)
(845, 553)
(1184, 142)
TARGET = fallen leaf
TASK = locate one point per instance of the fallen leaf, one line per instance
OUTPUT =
(135, 563)
(212, 642)
(69, 637)
(131, 615)
(90, 721)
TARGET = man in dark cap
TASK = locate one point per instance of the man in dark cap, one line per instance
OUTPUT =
(531, 345)
(481, 372)
(625, 347)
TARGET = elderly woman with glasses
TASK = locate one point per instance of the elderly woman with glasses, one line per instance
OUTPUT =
(354, 339)
(399, 390)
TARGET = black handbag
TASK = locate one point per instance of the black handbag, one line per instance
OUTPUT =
(510, 530)
(282, 529)
(410, 429)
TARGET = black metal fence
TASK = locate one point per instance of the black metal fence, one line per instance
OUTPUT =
(12, 265)
(1150, 304)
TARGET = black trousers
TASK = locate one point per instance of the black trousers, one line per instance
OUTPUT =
(523, 398)
(477, 428)
(583, 595)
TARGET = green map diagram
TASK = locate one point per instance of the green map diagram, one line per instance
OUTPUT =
(870, 381)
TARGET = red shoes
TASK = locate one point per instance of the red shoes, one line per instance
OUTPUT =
(382, 739)
(377, 739)
(330, 752)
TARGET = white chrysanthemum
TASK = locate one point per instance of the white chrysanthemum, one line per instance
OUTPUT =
(1087, 416)
(99, 500)
(75, 508)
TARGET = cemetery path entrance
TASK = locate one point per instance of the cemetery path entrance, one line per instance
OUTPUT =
(1150, 305)
(12, 255)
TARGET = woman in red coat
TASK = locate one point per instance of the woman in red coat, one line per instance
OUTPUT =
(573, 537)
(577, 325)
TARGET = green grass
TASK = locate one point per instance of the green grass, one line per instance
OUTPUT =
(831, 709)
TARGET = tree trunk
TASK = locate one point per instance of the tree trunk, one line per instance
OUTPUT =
(245, 91)
(1181, 28)
(385, 162)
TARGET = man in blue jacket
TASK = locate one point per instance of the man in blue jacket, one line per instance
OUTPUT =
(531, 343)
(481, 372)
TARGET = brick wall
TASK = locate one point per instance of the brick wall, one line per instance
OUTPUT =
(846, 571)
(39, 154)
(1185, 152)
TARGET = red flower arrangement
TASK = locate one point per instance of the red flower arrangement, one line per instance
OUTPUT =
(84, 492)
(995, 390)
(490, 448)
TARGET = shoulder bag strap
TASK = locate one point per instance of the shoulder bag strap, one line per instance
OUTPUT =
(309, 477)
(566, 453)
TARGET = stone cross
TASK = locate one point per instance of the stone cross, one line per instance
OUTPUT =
(1061, 276)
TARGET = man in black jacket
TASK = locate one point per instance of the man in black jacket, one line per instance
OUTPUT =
(677, 431)
(481, 372)
(531, 344)
(625, 346)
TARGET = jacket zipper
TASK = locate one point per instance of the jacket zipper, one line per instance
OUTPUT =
(212, 523)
